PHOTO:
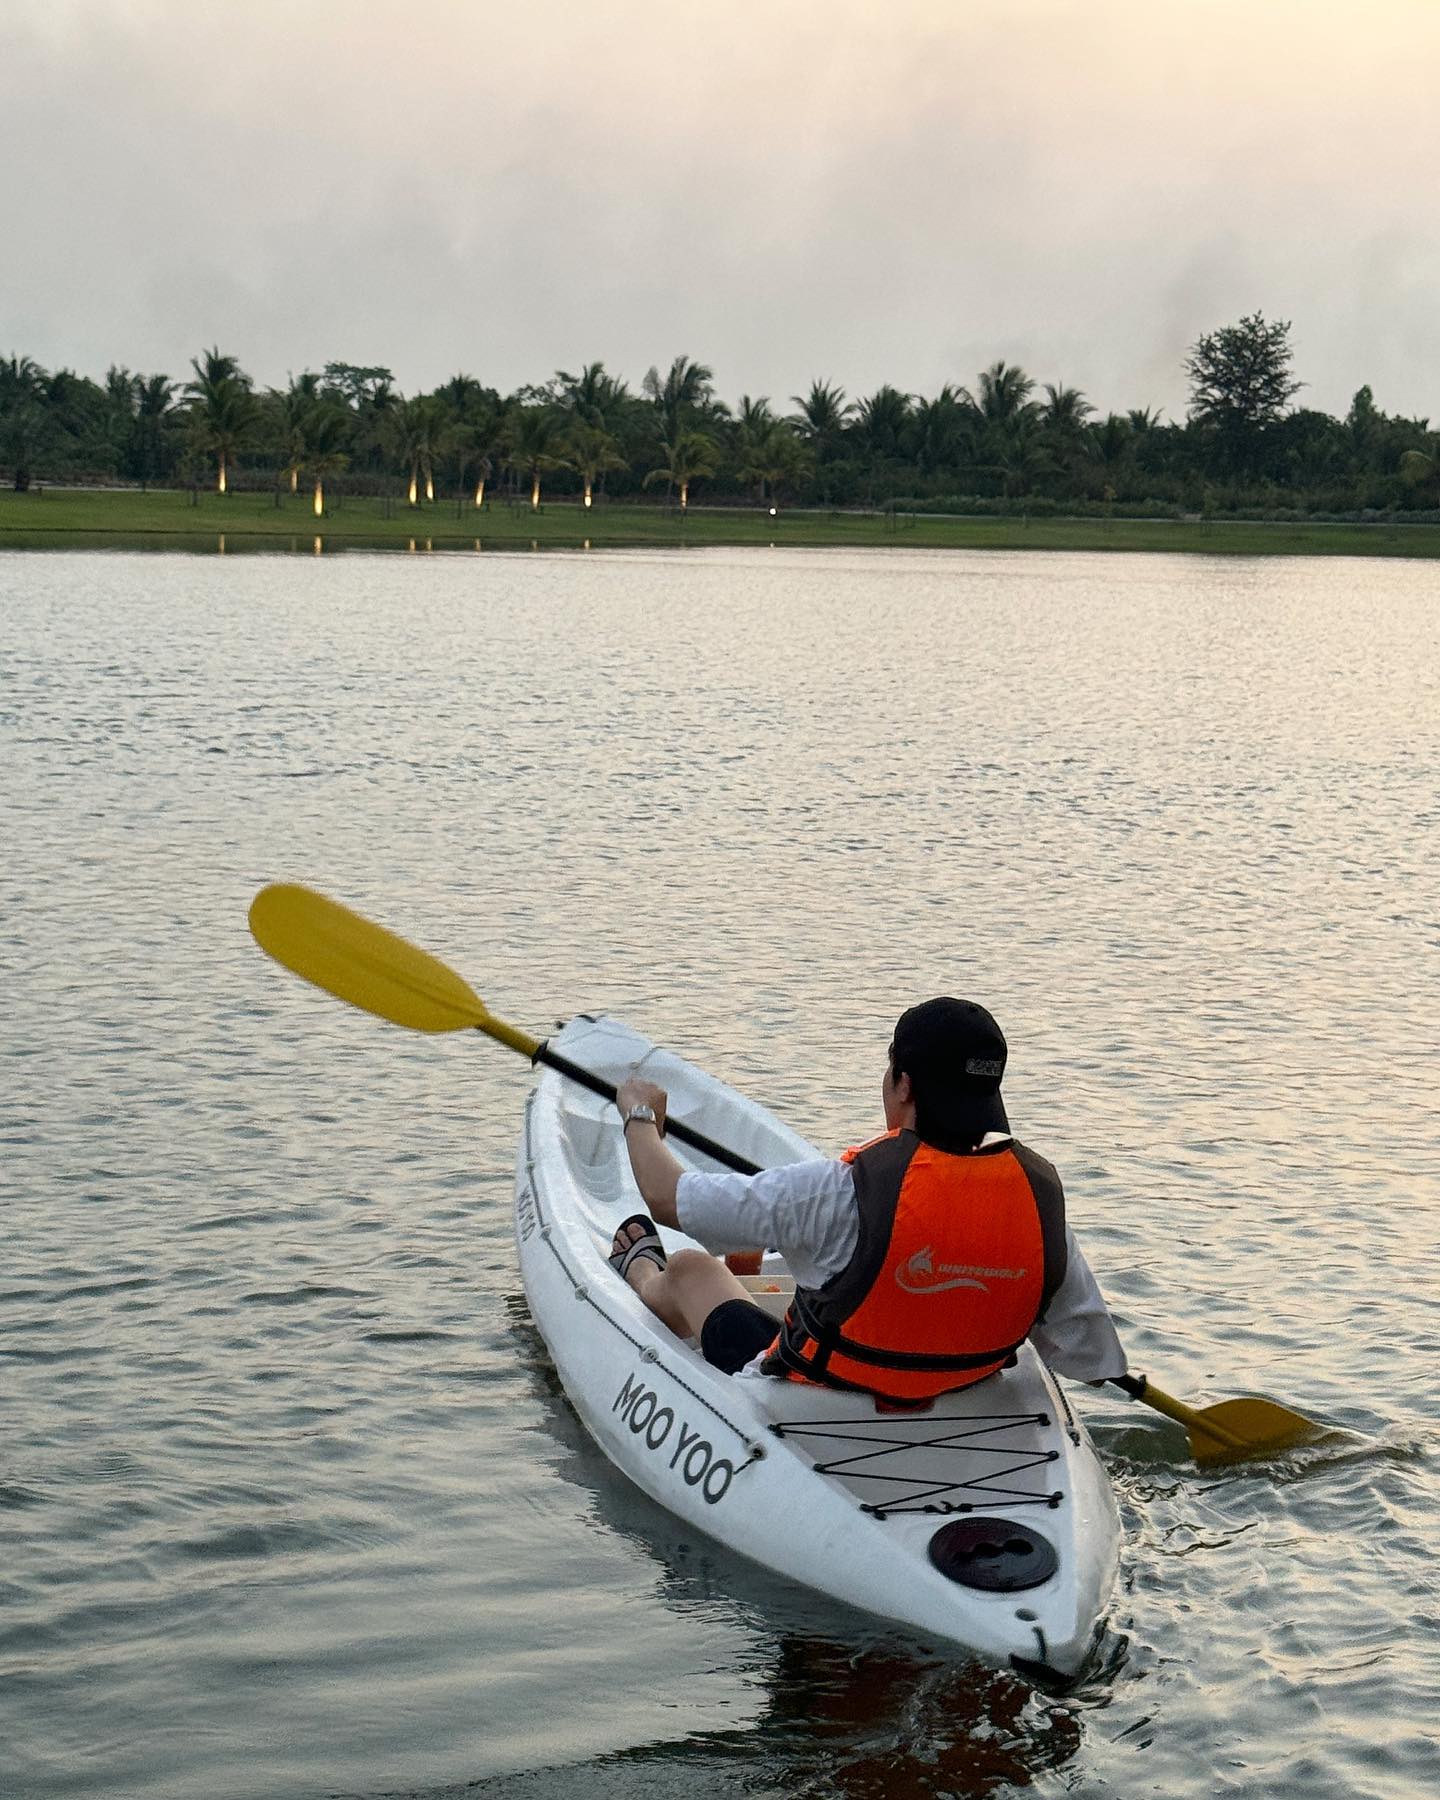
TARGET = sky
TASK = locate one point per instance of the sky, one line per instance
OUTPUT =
(856, 191)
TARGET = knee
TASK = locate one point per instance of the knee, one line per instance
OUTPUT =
(687, 1265)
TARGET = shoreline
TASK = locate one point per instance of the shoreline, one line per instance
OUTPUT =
(127, 519)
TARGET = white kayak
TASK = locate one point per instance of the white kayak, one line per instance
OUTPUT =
(987, 1522)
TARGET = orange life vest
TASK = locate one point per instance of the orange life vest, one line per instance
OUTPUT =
(958, 1256)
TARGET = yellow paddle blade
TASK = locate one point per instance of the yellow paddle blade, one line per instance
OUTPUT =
(368, 966)
(1233, 1430)
(1250, 1426)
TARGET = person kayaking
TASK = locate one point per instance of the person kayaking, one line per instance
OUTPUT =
(921, 1259)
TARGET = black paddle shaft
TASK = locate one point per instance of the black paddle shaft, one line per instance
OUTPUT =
(1134, 1385)
(697, 1140)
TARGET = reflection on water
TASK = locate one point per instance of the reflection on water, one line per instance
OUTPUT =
(288, 1508)
(870, 1726)
(209, 543)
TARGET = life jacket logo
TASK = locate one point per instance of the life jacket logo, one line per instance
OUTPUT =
(921, 1274)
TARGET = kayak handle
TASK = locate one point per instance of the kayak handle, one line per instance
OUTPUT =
(673, 1127)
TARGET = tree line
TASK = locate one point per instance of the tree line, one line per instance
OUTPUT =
(1006, 443)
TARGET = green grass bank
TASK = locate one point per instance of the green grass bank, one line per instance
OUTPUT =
(60, 518)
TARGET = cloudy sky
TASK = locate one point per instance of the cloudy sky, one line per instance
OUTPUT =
(856, 190)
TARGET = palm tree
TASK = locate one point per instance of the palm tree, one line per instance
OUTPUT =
(325, 430)
(222, 410)
(1064, 412)
(824, 413)
(29, 434)
(19, 375)
(773, 456)
(530, 438)
(374, 412)
(687, 391)
(473, 436)
(1110, 446)
(211, 366)
(1061, 419)
(484, 468)
(687, 457)
(293, 408)
(476, 443)
(224, 419)
(462, 394)
(1004, 396)
(935, 430)
(118, 420)
(1004, 416)
(590, 450)
(881, 419)
(593, 396)
(821, 422)
(753, 421)
(755, 417)
(418, 431)
(881, 422)
(154, 398)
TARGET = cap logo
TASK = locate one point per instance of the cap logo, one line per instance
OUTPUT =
(981, 1065)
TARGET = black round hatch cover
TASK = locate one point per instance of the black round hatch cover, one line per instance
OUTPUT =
(995, 1555)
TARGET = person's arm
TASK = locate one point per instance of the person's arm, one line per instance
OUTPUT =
(656, 1170)
(805, 1210)
(1077, 1336)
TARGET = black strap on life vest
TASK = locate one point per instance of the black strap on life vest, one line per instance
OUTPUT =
(1050, 1204)
(816, 1316)
(801, 1324)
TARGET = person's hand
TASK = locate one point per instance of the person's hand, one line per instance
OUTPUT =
(634, 1091)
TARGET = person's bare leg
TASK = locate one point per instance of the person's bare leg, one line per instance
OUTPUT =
(686, 1291)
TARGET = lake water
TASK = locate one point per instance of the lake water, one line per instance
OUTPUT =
(289, 1502)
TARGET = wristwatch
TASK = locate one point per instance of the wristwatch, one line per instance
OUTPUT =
(643, 1112)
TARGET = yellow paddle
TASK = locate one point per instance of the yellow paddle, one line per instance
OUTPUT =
(369, 967)
(1231, 1430)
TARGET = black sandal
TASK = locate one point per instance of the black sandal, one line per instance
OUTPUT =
(623, 1260)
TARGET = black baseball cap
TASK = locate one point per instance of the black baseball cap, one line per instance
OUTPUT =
(954, 1054)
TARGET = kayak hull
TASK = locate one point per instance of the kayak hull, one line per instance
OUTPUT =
(818, 1486)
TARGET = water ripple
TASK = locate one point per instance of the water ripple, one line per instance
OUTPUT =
(292, 1505)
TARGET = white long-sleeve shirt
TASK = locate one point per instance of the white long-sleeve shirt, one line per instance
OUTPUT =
(807, 1211)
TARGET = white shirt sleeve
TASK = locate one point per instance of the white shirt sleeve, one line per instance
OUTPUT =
(1077, 1337)
(805, 1210)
